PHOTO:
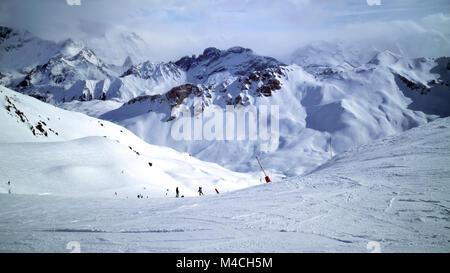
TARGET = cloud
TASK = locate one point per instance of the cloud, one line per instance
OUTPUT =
(373, 2)
(173, 28)
(73, 2)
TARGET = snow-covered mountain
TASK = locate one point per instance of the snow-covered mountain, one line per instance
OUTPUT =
(70, 71)
(149, 78)
(214, 66)
(52, 71)
(332, 98)
(350, 105)
(362, 127)
(47, 150)
(74, 74)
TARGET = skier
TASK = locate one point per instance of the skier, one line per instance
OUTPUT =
(177, 192)
(200, 192)
(9, 183)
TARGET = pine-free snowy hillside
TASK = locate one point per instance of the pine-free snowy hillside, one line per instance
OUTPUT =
(47, 150)
(391, 196)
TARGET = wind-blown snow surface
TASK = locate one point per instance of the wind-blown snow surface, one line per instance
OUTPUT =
(47, 150)
(395, 191)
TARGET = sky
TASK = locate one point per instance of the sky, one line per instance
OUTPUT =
(174, 28)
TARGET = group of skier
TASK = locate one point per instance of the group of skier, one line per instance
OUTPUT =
(140, 196)
(177, 192)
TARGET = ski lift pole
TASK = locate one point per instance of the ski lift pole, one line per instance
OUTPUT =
(266, 176)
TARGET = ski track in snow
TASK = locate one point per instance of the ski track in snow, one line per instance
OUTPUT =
(393, 191)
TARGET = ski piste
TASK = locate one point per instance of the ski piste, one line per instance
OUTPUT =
(225, 127)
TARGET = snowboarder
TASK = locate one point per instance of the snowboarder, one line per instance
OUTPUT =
(200, 192)
(177, 192)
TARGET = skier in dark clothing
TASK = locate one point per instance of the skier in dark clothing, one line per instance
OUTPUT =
(177, 192)
(200, 192)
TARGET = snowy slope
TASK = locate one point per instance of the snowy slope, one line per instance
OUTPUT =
(47, 150)
(392, 193)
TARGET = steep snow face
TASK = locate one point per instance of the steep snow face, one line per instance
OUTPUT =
(392, 193)
(350, 106)
(47, 150)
